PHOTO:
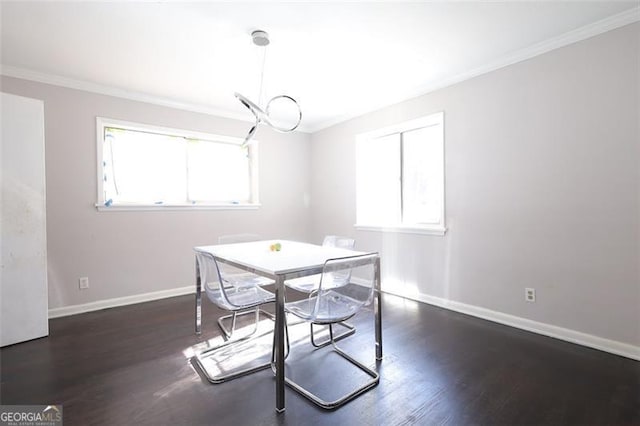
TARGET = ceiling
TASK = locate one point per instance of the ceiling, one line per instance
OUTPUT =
(338, 59)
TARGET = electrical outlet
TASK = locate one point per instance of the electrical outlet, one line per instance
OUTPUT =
(83, 283)
(530, 294)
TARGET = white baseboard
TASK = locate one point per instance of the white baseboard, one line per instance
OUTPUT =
(584, 339)
(119, 301)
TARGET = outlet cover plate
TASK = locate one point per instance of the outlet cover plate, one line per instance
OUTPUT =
(83, 283)
(530, 294)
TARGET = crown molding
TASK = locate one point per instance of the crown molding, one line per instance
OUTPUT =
(101, 89)
(582, 33)
(590, 30)
(70, 83)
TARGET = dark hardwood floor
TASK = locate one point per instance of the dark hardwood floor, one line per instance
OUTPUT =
(130, 365)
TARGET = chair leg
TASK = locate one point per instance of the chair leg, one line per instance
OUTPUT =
(332, 405)
(215, 379)
(228, 333)
(287, 347)
(199, 358)
(351, 329)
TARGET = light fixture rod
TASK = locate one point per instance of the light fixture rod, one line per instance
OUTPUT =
(261, 38)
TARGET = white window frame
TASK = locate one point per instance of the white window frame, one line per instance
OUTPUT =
(438, 229)
(102, 122)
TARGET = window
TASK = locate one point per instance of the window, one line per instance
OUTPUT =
(148, 167)
(400, 177)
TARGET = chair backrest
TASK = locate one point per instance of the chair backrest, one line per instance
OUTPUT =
(342, 277)
(211, 277)
(351, 295)
(338, 241)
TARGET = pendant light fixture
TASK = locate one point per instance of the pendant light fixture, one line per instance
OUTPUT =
(261, 39)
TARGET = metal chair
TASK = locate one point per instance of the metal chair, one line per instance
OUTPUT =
(332, 303)
(310, 284)
(238, 300)
(240, 279)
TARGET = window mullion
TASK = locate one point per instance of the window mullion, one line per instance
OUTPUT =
(186, 166)
(401, 183)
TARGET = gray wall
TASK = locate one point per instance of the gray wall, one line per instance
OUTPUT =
(542, 168)
(130, 253)
(542, 190)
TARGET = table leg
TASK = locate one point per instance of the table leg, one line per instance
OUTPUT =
(377, 308)
(198, 300)
(279, 331)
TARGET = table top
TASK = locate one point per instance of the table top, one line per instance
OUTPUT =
(293, 257)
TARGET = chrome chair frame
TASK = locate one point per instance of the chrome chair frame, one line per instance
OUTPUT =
(241, 238)
(335, 265)
(335, 241)
(351, 329)
(241, 310)
(228, 333)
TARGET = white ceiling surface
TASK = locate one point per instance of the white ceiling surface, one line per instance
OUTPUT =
(338, 59)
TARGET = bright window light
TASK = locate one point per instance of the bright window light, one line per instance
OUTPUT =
(378, 180)
(422, 183)
(226, 164)
(400, 176)
(140, 165)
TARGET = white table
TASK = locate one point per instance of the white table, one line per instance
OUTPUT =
(294, 260)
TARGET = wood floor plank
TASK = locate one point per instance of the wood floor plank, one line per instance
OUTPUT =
(131, 365)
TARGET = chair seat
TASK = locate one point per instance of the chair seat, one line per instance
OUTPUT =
(246, 279)
(304, 284)
(241, 297)
(312, 282)
(334, 307)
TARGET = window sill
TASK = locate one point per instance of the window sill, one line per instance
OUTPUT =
(174, 207)
(422, 230)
